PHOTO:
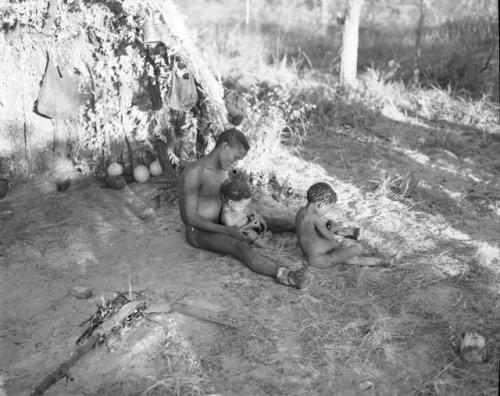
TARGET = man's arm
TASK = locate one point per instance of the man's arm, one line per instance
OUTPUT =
(191, 185)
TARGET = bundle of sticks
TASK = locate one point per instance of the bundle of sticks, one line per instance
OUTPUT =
(116, 313)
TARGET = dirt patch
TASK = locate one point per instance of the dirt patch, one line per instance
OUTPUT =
(351, 331)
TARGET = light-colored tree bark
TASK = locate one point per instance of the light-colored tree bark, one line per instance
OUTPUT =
(419, 41)
(350, 40)
(324, 16)
(247, 19)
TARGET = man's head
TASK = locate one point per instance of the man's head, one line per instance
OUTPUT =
(236, 192)
(322, 196)
(232, 146)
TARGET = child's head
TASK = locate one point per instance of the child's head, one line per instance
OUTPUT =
(235, 192)
(322, 196)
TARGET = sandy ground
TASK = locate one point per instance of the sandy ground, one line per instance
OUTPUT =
(351, 331)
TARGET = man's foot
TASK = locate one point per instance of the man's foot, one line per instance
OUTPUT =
(295, 278)
(390, 261)
(355, 233)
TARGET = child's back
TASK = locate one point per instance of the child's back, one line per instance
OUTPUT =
(310, 239)
(321, 246)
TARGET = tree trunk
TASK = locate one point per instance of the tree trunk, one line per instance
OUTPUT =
(418, 43)
(247, 19)
(161, 149)
(325, 16)
(349, 60)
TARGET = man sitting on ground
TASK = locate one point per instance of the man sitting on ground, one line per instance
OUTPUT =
(200, 206)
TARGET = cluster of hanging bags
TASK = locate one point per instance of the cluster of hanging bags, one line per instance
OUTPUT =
(182, 93)
(59, 97)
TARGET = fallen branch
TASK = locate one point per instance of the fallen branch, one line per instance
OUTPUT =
(195, 312)
(95, 335)
(62, 370)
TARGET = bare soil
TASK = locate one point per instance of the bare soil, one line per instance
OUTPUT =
(352, 331)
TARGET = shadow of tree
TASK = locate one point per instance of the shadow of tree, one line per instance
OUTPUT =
(450, 170)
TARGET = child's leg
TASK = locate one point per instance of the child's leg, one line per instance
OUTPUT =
(366, 261)
(371, 261)
(334, 257)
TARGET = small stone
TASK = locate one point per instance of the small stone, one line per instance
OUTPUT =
(81, 292)
(366, 385)
(473, 347)
(147, 214)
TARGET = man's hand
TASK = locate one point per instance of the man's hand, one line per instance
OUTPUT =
(249, 234)
(256, 221)
(235, 232)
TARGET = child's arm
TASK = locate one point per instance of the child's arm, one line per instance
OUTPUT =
(332, 225)
(323, 231)
(226, 219)
(256, 221)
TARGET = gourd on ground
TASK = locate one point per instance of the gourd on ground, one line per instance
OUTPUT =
(141, 174)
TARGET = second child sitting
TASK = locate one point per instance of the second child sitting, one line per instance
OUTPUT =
(236, 196)
(322, 241)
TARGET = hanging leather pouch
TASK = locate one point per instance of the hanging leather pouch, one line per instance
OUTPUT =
(182, 95)
(58, 96)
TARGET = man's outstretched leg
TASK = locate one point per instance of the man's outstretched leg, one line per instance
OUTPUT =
(241, 250)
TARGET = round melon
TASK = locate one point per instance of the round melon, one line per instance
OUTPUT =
(115, 169)
(141, 174)
(155, 168)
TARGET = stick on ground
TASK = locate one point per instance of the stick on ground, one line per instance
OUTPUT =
(62, 370)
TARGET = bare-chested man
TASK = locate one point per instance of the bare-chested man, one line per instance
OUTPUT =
(200, 205)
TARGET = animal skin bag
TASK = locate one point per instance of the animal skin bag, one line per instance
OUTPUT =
(58, 96)
(182, 95)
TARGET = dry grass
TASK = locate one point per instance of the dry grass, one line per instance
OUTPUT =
(178, 367)
(396, 185)
(353, 316)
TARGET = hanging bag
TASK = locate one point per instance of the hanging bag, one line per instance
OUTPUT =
(182, 95)
(58, 96)
(236, 107)
(152, 33)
